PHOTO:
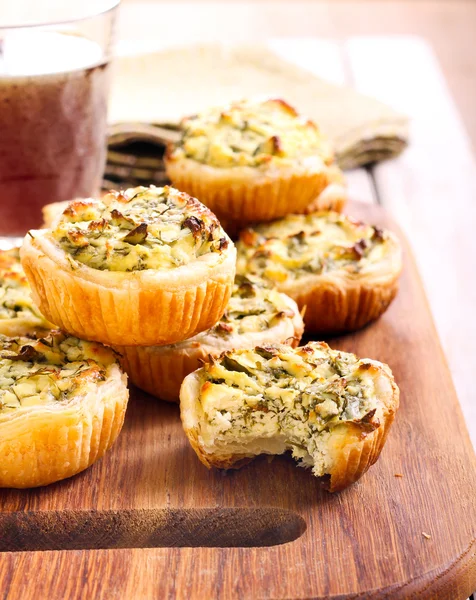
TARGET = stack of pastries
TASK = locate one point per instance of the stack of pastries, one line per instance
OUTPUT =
(147, 282)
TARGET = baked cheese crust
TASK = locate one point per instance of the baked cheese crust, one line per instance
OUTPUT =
(316, 402)
(344, 271)
(250, 133)
(256, 314)
(144, 267)
(62, 405)
(251, 161)
(141, 228)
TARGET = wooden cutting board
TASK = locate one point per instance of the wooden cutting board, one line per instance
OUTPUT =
(149, 520)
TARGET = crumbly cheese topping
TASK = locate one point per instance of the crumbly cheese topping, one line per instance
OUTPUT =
(50, 369)
(250, 134)
(297, 394)
(318, 243)
(253, 307)
(141, 228)
(15, 299)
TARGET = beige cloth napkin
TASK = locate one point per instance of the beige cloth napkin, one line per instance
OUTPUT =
(151, 93)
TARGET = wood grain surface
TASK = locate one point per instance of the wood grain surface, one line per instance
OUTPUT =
(407, 529)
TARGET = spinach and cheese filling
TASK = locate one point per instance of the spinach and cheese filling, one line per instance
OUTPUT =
(253, 307)
(293, 398)
(51, 369)
(15, 299)
(313, 244)
(250, 134)
(141, 228)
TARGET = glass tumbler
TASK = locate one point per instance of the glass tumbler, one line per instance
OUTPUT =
(54, 82)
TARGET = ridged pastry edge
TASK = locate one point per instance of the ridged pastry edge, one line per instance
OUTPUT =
(335, 307)
(47, 443)
(339, 302)
(246, 194)
(352, 450)
(160, 371)
(151, 314)
(51, 212)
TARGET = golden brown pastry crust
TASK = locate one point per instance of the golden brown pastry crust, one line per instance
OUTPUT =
(332, 198)
(336, 305)
(160, 370)
(148, 307)
(338, 300)
(45, 443)
(250, 194)
(352, 447)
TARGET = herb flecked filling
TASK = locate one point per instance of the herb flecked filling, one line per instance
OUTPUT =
(250, 134)
(317, 243)
(49, 369)
(141, 228)
(298, 394)
(253, 307)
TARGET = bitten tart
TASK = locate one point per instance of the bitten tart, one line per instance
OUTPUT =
(255, 315)
(332, 410)
(62, 405)
(18, 314)
(251, 161)
(343, 271)
(142, 267)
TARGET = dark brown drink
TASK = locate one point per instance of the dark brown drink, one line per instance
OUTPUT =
(52, 139)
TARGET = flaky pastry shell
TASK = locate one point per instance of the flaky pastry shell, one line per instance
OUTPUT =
(336, 303)
(140, 308)
(160, 370)
(350, 448)
(46, 443)
(250, 194)
(332, 198)
(340, 299)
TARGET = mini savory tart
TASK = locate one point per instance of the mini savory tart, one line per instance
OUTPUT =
(62, 405)
(142, 267)
(343, 271)
(18, 314)
(332, 410)
(255, 315)
(332, 198)
(251, 161)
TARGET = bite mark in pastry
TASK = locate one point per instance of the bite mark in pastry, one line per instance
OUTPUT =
(142, 267)
(62, 405)
(332, 410)
(256, 314)
(343, 271)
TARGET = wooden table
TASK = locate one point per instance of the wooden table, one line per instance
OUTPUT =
(429, 190)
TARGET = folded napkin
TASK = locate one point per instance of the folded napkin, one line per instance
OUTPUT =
(152, 92)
